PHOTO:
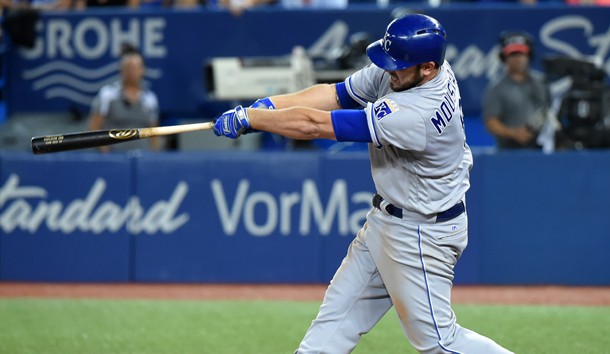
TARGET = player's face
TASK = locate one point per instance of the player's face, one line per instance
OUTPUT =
(405, 79)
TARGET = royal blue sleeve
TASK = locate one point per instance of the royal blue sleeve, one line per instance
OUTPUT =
(347, 102)
(351, 125)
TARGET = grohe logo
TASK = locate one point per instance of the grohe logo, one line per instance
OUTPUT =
(66, 48)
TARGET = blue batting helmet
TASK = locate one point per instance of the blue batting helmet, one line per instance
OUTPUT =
(409, 40)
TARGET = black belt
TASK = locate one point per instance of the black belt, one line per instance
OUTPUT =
(448, 214)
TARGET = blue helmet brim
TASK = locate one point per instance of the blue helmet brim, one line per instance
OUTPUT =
(382, 59)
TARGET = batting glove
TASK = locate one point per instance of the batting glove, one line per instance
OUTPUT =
(263, 103)
(232, 123)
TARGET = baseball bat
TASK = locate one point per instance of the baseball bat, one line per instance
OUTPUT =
(83, 140)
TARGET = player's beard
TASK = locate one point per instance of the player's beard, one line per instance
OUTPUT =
(407, 84)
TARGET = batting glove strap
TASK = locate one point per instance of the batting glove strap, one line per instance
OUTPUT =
(263, 103)
(242, 122)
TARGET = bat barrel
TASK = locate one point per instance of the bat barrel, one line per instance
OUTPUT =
(90, 139)
(57, 143)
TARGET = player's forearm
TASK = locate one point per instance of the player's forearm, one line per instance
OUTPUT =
(296, 123)
(321, 96)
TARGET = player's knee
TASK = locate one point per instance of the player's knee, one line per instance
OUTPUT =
(428, 342)
(436, 349)
(431, 346)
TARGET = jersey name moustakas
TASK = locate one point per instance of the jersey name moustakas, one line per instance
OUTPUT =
(446, 111)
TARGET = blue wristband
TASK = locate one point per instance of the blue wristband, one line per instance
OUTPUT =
(351, 125)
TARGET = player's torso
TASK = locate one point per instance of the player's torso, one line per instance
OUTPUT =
(437, 105)
(421, 160)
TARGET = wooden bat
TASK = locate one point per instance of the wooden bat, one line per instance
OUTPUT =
(83, 140)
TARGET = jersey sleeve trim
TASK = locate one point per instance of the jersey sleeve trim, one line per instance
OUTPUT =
(355, 96)
(346, 101)
(372, 128)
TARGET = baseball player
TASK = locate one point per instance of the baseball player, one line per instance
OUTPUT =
(406, 105)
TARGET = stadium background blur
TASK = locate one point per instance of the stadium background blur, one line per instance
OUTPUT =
(256, 210)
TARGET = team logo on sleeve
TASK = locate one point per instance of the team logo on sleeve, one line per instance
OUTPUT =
(384, 107)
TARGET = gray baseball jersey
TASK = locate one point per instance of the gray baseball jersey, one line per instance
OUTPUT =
(420, 164)
(419, 156)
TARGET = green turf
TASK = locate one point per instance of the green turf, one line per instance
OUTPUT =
(258, 327)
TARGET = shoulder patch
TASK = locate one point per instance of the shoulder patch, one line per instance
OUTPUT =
(384, 107)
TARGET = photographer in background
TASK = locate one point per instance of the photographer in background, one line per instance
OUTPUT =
(515, 107)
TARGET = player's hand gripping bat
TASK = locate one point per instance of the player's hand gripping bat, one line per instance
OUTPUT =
(83, 140)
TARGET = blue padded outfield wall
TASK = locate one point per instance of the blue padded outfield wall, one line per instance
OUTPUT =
(75, 52)
(277, 217)
(283, 217)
